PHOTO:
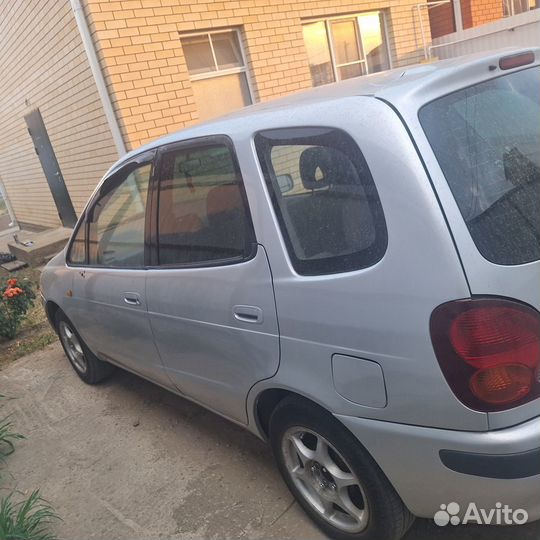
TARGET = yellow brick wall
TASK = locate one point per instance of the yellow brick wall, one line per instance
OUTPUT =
(138, 43)
(486, 11)
(43, 65)
(477, 12)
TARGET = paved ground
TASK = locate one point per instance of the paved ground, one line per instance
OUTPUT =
(128, 460)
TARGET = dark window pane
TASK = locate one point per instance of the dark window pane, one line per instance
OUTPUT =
(117, 222)
(198, 54)
(330, 212)
(203, 215)
(487, 141)
(227, 50)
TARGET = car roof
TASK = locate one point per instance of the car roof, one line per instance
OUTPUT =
(406, 89)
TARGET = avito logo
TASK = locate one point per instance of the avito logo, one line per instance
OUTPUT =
(500, 515)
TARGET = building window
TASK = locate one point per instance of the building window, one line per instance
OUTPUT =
(345, 47)
(513, 7)
(218, 72)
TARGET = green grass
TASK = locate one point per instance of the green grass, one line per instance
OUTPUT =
(28, 519)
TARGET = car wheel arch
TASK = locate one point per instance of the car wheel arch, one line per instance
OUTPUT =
(268, 399)
(51, 309)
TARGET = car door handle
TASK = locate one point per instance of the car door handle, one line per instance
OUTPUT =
(249, 314)
(133, 299)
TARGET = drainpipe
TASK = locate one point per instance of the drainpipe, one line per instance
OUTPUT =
(98, 76)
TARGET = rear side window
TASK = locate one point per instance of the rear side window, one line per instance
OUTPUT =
(324, 197)
(487, 141)
(203, 211)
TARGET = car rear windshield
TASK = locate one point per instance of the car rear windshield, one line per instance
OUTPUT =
(487, 141)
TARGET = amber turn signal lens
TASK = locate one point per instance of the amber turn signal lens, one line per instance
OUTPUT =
(502, 384)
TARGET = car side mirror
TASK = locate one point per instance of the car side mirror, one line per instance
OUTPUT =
(285, 182)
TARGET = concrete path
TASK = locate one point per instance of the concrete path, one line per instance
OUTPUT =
(129, 460)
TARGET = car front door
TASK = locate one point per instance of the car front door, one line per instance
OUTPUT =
(210, 296)
(109, 300)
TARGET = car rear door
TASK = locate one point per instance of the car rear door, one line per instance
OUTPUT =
(209, 293)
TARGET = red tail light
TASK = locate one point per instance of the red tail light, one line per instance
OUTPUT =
(489, 351)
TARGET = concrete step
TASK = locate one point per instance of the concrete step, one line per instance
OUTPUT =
(35, 248)
(13, 266)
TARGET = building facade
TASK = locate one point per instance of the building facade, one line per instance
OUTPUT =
(161, 65)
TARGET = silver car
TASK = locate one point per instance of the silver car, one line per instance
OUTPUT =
(351, 273)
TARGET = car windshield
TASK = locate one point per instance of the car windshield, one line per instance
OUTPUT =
(487, 141)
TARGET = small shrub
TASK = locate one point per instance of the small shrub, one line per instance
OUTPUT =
(16, 297)
(29, 519)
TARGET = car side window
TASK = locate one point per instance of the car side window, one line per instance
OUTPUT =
(116, 220)
(324, 197)
(203, 215)
(77, 249)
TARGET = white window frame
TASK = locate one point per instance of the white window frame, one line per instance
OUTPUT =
(222, 72)
(356, 18)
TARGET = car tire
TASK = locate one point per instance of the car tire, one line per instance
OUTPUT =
(85, 363)
(333, 478)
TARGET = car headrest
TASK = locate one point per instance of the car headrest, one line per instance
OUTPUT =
(319, 167)
(222, 199)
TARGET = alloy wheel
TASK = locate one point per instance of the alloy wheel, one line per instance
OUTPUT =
(325, 480)
(73, 347)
